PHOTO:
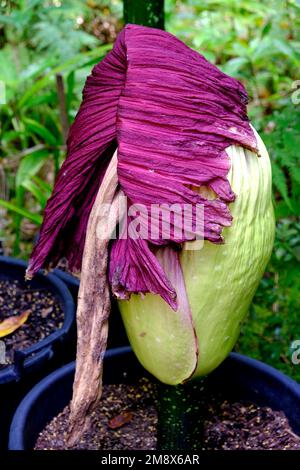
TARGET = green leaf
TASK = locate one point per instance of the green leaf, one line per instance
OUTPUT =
(37, 193)
(36, 128)
(280, 183)
(9, 136)
(45, 98)
(36, 218)
(77, 61)
(6, 19)
(286, 49)
(70, 89)
(233, 66)
(266, 29)
(46, 187)
(30, 165)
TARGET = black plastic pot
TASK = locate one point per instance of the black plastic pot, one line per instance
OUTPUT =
(117, 335)
(239, 377)
(71, 282)
(33, 363)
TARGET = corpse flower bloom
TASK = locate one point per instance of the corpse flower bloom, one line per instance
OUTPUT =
(182, 136)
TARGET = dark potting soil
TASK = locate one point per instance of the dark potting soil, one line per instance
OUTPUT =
(245, 426)
(127, 419)
(45, 315)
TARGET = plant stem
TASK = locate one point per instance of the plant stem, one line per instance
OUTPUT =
(62, 107)
(56, 162)
(144, 12)
(181, 411)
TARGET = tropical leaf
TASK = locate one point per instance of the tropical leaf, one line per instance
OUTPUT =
(36, 192)
(35, 127)
(30, 165)
(36, 218)
(45, 187)
(280, 183)
(73, 63)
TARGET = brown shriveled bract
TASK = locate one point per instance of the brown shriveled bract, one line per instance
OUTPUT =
(93, 306)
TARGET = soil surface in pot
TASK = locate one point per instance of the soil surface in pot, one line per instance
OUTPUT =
(62, 265)
(45, 315)
(127, 419)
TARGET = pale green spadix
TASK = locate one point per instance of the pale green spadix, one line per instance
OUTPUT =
(219, 282)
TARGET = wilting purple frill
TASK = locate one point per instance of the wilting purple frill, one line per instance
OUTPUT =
(172, 114)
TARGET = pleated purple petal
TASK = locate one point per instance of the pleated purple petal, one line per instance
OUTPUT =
(172, 114)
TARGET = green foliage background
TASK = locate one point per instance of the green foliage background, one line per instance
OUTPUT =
(258, 42)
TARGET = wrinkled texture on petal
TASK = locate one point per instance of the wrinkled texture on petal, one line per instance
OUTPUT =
(172, 114)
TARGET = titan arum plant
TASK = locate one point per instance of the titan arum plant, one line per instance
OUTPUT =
(161, 125)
